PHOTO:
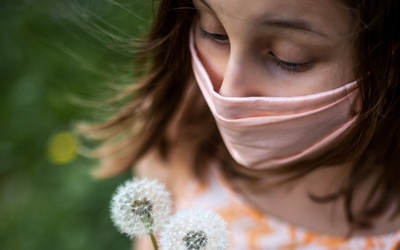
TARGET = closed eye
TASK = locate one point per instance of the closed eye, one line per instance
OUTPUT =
(290, 66)
(220, 38)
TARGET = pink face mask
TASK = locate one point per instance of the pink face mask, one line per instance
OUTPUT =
(265, 132)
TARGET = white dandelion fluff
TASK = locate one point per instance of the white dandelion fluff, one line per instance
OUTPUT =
(140, 206)
(194, 229)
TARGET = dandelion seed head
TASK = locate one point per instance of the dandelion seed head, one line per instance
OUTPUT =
(140, 206)
(194, 230)
(195, 240)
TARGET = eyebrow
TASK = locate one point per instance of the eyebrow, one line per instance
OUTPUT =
(292, 24)
(284, 24)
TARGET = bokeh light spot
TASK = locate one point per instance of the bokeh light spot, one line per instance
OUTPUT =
(62, 147)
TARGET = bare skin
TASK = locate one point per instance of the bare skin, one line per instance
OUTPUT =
(284, 48)
(274, 48)
(296, 208)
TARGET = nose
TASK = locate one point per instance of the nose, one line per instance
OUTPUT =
(240, 77)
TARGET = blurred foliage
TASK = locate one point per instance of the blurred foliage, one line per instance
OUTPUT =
(54, 53)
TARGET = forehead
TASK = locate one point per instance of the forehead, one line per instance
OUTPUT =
(327, 16)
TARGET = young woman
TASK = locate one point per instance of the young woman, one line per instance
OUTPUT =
(281, 116)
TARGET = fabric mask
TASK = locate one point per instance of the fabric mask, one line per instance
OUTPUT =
(265, 132)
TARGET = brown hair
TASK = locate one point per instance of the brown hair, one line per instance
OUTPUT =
(165, 69)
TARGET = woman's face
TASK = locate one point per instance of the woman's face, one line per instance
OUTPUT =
(274, 47)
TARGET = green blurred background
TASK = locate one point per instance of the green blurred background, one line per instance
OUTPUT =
(56, 58)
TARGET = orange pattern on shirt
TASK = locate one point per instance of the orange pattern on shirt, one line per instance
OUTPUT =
(252, 230)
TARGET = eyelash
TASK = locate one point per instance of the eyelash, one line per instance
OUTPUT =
(291, 67)
(220, 38)
(288, 66)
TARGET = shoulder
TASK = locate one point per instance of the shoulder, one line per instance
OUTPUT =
(175, 172)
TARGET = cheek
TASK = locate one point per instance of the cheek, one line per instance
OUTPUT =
(338, 71)
(213, 59)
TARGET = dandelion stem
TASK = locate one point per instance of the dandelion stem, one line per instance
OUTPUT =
(154, 241)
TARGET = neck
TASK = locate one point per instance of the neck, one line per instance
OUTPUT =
(291, 202)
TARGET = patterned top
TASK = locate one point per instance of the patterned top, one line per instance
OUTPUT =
(251, 229)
